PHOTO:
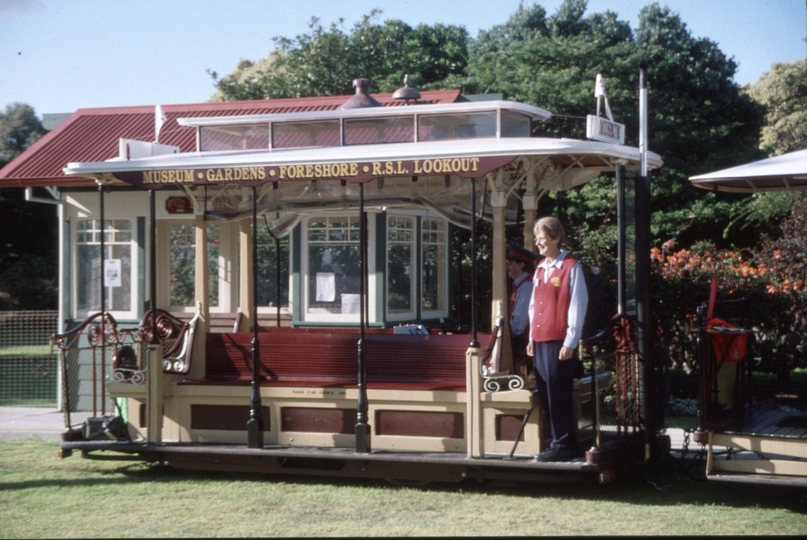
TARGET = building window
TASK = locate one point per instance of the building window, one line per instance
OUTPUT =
(401, 235)
(333, 268)
(182, 257)
(434, 275)
(118, 252)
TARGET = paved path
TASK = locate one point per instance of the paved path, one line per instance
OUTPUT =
(44, 424)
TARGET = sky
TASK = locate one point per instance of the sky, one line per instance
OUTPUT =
(62, 55)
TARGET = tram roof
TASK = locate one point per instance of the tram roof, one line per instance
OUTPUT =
(575, 162)
(571, 162)
(534, 113)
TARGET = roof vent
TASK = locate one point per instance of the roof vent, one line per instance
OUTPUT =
(407, 92)
(362, 98)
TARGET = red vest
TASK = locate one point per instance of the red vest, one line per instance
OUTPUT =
(551, 300)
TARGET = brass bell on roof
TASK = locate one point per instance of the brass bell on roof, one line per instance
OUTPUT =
(407, 92)
(362, 98)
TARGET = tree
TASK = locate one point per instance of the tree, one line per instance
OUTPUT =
(19, 129)
(27, 231)
(699, 118)
(783, 91)
(324, 61)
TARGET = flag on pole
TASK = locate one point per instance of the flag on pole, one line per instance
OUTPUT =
(599, 92)
(159, 120)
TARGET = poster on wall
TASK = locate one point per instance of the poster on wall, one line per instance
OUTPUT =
(112, 273)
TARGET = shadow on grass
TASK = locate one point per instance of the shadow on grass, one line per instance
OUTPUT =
(672, 482)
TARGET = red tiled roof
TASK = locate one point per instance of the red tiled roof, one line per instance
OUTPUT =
(92, 134)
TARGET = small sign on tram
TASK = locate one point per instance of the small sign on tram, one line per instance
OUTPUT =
(601, 129)
(604, 130)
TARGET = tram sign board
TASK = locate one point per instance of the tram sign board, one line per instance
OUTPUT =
(602, 129)
(464, 167)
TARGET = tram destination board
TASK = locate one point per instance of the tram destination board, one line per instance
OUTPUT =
(465, 167)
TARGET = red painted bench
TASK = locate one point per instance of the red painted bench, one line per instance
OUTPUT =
(329, 358)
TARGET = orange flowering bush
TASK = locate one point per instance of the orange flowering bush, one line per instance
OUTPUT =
(762, 289)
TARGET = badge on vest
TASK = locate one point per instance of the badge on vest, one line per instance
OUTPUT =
(555, 281)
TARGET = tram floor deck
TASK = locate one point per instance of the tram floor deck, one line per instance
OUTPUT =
(765, 423)
(344, 462)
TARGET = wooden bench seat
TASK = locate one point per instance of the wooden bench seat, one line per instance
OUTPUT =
(329, 358)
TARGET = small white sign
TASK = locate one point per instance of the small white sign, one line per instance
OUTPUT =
(112, 275)
(602, 129)
(351, 303)
(326, 286)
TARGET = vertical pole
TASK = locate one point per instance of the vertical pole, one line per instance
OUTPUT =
(255, 423)
(621, 239)
(473, 411)
(277, 277)
(103, 307)
(362, 428)
(474, 340)
(153, 266)
(644, 327)
(154, 406)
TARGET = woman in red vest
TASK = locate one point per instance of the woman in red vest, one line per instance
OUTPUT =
(557, 312)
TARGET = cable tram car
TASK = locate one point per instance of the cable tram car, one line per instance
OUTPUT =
(365, 370)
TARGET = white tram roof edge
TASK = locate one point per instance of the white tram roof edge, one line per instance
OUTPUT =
(489, 147)
(535, 113)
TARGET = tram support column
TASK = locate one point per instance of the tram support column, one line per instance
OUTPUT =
(530, 204)
(498, 202)
(362, 429)
(245, 289)
(154, 383)
(201, 284)
(473, 409)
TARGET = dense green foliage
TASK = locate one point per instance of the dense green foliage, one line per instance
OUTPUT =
(324, 61)
(27, 231)
(783, 91)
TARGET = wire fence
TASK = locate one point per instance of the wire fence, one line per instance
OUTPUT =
(28, 369)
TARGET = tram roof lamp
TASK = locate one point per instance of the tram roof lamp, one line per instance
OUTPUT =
(407, 92)
(362, 98)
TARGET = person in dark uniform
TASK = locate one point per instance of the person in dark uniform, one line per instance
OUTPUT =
(520, 267)
(557, 312)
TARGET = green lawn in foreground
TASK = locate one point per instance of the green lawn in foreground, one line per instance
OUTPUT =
(42, 496)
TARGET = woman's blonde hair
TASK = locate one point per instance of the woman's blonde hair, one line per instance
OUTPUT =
(552, 227)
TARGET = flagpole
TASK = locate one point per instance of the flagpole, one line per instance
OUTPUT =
(159, 120)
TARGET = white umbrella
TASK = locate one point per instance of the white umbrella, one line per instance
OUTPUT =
(787, 172)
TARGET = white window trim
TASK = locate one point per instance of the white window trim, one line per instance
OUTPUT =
(134, 291)
(435, 314)
(306, 293)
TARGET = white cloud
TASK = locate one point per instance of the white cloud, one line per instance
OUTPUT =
(18, 8)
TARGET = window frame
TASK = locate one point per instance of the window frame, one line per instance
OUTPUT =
(76, 274)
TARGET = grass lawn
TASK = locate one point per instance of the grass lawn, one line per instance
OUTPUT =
(42, 496)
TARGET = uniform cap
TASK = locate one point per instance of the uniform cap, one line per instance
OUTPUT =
(516, 253)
